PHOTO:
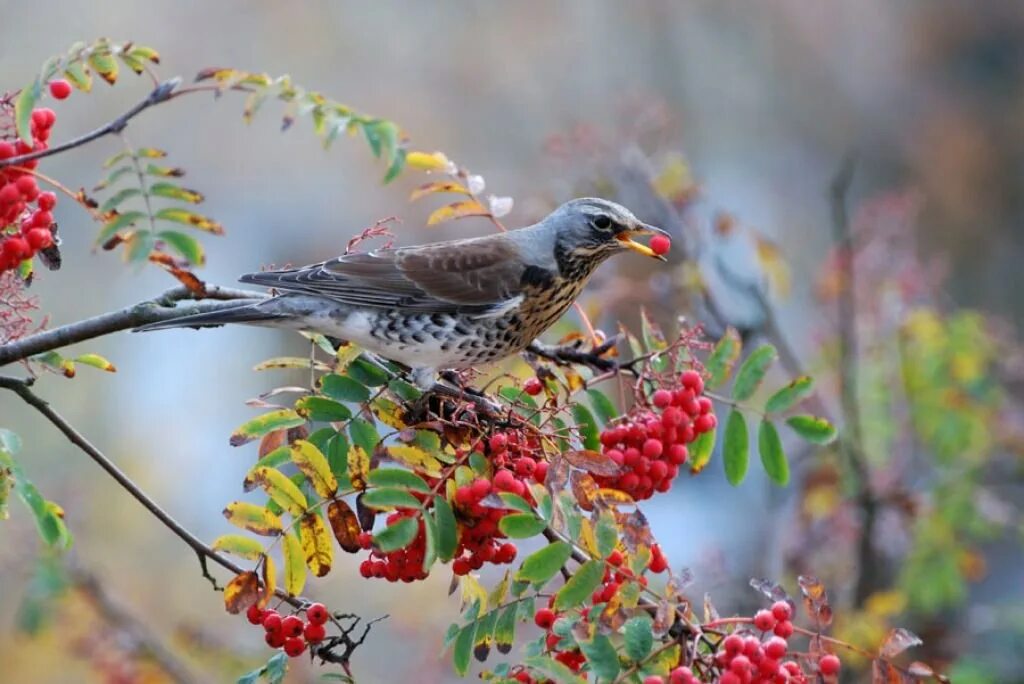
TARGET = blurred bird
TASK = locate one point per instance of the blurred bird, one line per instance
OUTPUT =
(446, 305)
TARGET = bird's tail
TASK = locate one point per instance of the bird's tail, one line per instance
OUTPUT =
(252, 314)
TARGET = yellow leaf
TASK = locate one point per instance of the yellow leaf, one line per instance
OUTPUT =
(269, 581)
(358, 466)
(457, 210)
(437, 186)
(316, 544)
(345, 355)
(345, 525)
(472, 591)
(253, 518)
(282, 362)
(587, 538)
(389, 413)
(886, 603)
(294, 565)
(281, 489)
(244, 547)
(416, 458)
(96, 361)
(241, 592)
(314, 466)
(609, 496)
(427, 161)
(675, 180)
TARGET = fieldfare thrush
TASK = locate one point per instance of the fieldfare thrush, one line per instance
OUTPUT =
(446, 305)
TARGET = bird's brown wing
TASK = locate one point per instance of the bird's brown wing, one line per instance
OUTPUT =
(477, 275)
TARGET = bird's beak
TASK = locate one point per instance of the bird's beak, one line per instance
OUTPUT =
(626, 238)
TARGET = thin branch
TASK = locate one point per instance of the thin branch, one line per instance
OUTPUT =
(160, 308)
(23, 389)
(161, 93)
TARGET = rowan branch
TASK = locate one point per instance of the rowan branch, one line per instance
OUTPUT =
(161, 308)
(162, 93)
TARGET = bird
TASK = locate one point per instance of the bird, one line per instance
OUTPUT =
(447, 305)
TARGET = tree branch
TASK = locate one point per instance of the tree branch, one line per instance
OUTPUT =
(161, 308)
(161, 93)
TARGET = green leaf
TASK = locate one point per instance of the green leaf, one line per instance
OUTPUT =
(601, 657)
(430, 542)
(344, 388)
(364, 434)
(446, 530)
(540, 566)
(140, 246)
(521, 525)
(588, 426)
(172, 191)
(404, 390)
(603, 406)
(268, 422)
(23, 105)
(580, 586)
(189, 218)
(607, 533)
(367, 373)
(396, 536)
(104, 65)
(117, 223)
(736, 447)
(395, 167)
(79, 76)
(114, 201)
(463, 648)
(638, 637)
(390, 498)
(752, 372)
(398, 478)
(812, 428)
(322, 409)
(773, 458)
(185, 245)
(790, 395)
(49, 523)
(163, 171)
(505, 628)
(515, 502)
(701, 450)
(722, 359)
(114, 176)
(239, 545)
(553, 669)
(337, 458)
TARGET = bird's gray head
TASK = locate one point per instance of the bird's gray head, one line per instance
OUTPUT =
(590, 229)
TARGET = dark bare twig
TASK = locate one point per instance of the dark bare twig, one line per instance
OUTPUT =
(161, 93)
(850, 441)
(161, 308)
(569, 354)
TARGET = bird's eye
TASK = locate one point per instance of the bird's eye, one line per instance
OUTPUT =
(602, 222)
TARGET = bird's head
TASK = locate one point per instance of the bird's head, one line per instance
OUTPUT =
(592, 229)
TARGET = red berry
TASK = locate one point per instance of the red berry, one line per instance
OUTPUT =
(782, 610)
(275, 639)
(42, 219)
(254, 615)
(498, 442)
(681, 675)
(705, 404)
(460, 566)
(829, 664)
(46, 200)
(677, 454)
(652, 448)
(6, 150)
(533, 387)
(480, 488)
(526, 466)
(9, 194)
(314, 633)
(506, 553)
(740, 665)
(272, 621)
(660, 244)
(294, 646)
(662, 398)
(764, 620)
(291, 626)
(784, 629)
(615, 558)
(60, 89)
(28, 187)
(16, 248)
(504, 480)
(317, 614)
(775, 647)
(654, 679)
(730, 677)
(692, 380)
(705, 423)
(733, 644)
(544, 618)
(541, 473)
(43, 118)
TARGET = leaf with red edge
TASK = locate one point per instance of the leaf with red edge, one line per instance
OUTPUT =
(593, 462)
(897, 641)
(241, 592)
(635, 530)
(584, 488)
(815, 600)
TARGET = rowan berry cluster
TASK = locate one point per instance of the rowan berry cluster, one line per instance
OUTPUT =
(290, 632)
(651, 446)
(24, 229)
(405, 564)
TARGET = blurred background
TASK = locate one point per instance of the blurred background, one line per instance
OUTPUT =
(726, 122)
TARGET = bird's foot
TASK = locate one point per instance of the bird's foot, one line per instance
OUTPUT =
(573, 353)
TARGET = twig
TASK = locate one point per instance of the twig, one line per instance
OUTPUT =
(565, 355)
(161, 93)
(23, 389)
(850, 442)
(161, 308)
(144, 641)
